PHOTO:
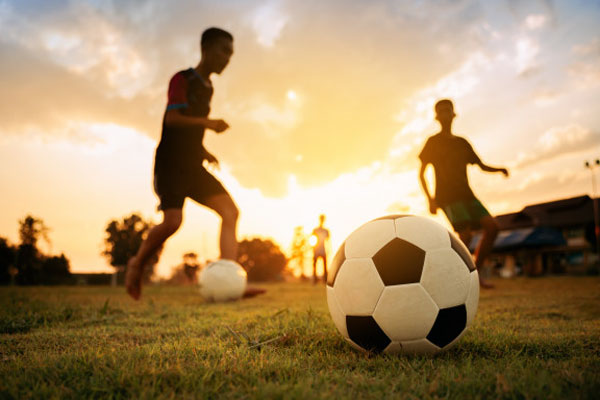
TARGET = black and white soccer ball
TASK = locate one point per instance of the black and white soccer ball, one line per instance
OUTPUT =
(402, 284)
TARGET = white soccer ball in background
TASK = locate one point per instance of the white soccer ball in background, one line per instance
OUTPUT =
(222, 280)
(402, 284)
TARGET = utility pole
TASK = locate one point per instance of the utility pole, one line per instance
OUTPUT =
(591, 166)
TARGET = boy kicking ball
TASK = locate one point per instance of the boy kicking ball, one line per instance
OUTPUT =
(178, 166)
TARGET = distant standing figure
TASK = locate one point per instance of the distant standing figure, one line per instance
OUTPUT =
(450, 154)
(322, 235)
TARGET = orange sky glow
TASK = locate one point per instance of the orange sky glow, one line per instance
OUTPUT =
(329, 105)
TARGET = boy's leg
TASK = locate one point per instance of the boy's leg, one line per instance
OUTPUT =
(466, 236)
(156, 237)
(223, 205)
(315, 259)
(484, 248)
(325, 269)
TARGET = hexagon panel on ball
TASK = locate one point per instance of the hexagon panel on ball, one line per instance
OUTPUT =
(357, 287)
(446, 277)
(405, 312)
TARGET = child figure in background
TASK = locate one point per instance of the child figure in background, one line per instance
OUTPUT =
(450, 154)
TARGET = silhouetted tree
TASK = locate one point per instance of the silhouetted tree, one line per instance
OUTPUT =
(122, 241)
(262, 259)
(56, 270)
(8, 256)
(29, 259)
(31, 229)
(29, 265)
(186, 273)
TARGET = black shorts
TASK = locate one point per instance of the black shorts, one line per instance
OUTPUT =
(174, 184)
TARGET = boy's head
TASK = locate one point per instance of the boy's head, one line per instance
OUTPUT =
(216, 46)
(321, 219)
(444, 111)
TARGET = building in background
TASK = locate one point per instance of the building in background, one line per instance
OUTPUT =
(552, 237)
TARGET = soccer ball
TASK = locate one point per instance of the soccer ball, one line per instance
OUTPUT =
(402, 284)
(222, 280)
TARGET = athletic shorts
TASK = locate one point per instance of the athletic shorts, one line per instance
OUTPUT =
(465, 214)
(173, 185)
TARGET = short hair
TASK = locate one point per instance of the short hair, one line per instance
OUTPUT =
(443, 102)
(211, 35)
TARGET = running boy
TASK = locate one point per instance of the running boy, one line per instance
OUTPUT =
(450, 155)
(178, 165)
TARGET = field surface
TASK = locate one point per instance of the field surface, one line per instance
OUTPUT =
(532, 338)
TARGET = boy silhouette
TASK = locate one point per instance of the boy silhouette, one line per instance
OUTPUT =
(178, 165)
(321, 234)
(450, 154)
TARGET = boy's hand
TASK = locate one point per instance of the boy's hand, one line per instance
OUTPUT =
(212, 160)
(504, 171)
(217, 125)
(433, 206)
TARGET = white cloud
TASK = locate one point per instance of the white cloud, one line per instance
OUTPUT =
(535, 21)
(273, 119)
(585, 75)
(268, 21)
(591, 48)
(544, 98)
(526, 52)
(84, 41)
(585, 71)
(418, 116)
(560, 141)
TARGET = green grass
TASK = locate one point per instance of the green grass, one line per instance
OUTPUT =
(532, 338)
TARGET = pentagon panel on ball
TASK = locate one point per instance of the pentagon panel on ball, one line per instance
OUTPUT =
(402, 284)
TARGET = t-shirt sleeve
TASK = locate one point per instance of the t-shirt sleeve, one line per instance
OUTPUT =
(426, 155)
(177, 97)
(470, 156)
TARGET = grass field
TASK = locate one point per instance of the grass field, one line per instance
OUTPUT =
(532, 338)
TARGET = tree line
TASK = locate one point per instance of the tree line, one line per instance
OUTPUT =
(26, 264)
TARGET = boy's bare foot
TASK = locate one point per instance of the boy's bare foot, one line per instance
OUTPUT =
(133, 278)
(485, 284)
(252, 291)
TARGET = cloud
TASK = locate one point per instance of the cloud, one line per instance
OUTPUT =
(526, 52)
(84, 41)
(559, 141)
(268, 21)
(546, 97)
(417, 117)
(353, 64)
(585, 70)
(50, 100)
(535, 21)
(591, 48)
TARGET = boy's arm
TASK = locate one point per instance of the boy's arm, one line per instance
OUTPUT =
(432, 204)
(488, 168)
(175, 118)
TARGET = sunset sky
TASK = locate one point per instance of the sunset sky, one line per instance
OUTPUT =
(329, 104)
